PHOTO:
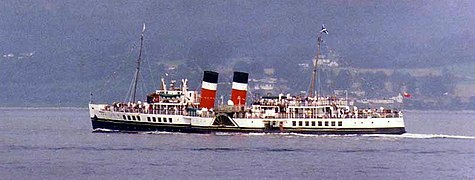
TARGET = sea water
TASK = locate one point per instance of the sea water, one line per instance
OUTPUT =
(42, 143)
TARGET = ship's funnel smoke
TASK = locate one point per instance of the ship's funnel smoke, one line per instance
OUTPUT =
(208, 89)
(239, 92)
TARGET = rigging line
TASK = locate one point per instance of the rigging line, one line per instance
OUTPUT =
(112, 77)
(111, 82)
(138, 63)
(151, 74)
(302, 83)
(143, 88)
(112, 86)
(108, 80)
(129, 92)
(123, 61)
(134, 91)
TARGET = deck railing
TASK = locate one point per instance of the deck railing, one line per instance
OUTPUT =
(239, 112)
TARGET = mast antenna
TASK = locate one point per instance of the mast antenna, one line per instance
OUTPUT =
(137, 71)
(315, 61)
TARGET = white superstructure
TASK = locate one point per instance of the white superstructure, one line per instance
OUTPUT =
(177, 109)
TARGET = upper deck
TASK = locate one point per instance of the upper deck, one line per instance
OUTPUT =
(283, 108)
(179, 101)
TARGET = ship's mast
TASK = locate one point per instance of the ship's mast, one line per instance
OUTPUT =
(137, 71)
(315, 62)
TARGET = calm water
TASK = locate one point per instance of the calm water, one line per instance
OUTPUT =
(58, 144)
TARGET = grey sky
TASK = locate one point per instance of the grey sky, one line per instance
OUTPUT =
(384, 31)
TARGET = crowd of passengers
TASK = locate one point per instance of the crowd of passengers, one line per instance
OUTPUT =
(337, 110)
(140, 107)
(299, 101)
(363, 113)
(336, 113)
(335, 103)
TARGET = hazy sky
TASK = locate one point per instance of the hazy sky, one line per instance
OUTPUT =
(377, 32)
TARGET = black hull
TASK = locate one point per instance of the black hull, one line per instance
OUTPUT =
(137, 126)
(130, 127)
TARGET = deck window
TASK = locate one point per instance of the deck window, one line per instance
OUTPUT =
(124, 117)
(300, 123)
(319, 123)
(326, 123)
(133, 118)
(340, 123)
(164, 119)
(333, 123)
(138, 118)
(154, 119)
(148, 119)
(129, 118)
(294, 123)
(307, 123)
(170, 120)
(159, 119)
(313, 123)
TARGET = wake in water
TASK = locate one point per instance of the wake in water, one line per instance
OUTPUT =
(405, 135)
(298, 135)
(161, 133)
(420, 136)
(104, 130)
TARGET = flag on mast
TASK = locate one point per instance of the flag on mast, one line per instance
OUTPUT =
(143, 29)
(324, 30)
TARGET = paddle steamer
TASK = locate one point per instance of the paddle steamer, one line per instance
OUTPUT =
(177, 109)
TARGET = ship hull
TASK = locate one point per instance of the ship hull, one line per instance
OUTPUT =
(392, 130)
(103, 125)
(110, 121)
